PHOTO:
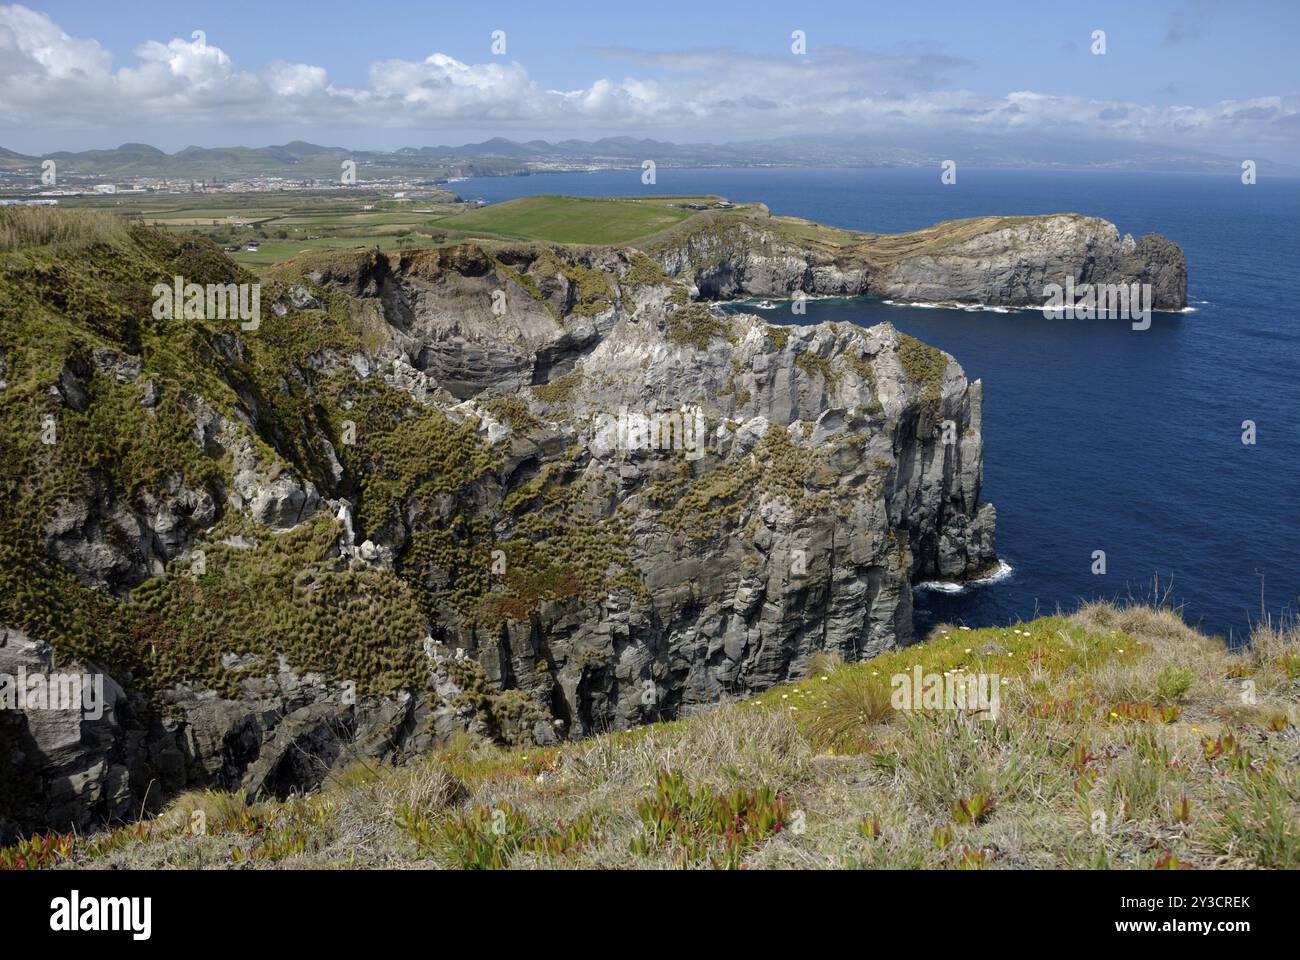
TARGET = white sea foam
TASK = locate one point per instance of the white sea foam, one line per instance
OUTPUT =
(1003, 571)
(967, 307)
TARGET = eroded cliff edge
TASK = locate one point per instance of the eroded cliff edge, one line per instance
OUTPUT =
(1005, 261)
(409, 521)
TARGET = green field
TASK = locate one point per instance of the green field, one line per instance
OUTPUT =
(290, 224)
(287, 224)
(570, 219)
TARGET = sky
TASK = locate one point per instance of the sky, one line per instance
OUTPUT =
(1195, 74)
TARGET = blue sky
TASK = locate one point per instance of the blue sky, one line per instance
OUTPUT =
(360, 73)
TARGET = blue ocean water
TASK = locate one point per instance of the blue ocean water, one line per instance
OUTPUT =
(1097, 437)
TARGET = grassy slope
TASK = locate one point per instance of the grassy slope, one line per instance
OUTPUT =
(569, 219)
(1111, 750)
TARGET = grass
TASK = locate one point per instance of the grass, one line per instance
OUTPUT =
(559, 219)
(695, 326)
(824, 773)
(24, 227)
(924, 365)
(286, 224)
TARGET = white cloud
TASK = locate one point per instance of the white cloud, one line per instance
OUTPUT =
(33, 47)
(48, 77)
(296, 79)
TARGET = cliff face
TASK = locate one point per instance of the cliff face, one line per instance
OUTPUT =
(526, 492)
(989, 260)
(813, 486)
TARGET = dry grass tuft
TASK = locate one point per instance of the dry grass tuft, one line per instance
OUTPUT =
(1124, 739)
(22, 227)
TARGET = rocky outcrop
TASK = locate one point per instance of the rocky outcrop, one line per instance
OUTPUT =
(116, 754)
(607, 502)
(1005, 261)
(833, 468)
(734, 257)
(855, 496)
(1013, 261)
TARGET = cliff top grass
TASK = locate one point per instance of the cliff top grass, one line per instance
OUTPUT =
(1124, 739)
(580, 220)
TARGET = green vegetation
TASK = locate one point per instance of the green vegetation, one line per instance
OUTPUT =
(1051, 782)
(815, 366)
(558, 550)
(557, 219)
(1125, 713)
(924, 365)
(779, 335)
(284, 225)
(559, 390)
(589, 287)
(509, 408)
(40, 226)
(695, 325)
(707, 506)
(484, 839)
(700, 827)
(642, 272)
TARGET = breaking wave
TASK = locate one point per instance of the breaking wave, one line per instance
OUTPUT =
(1003, 571)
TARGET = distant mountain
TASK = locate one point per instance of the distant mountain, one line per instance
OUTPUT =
(10, 160)
(300, 160)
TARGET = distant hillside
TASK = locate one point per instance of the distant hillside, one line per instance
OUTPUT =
(500, 156)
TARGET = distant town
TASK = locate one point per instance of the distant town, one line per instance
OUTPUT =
(14, 191)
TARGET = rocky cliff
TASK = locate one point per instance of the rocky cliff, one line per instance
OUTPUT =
(1004, 261)
(528, 492)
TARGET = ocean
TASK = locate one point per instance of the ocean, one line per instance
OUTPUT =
(1096, 436)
